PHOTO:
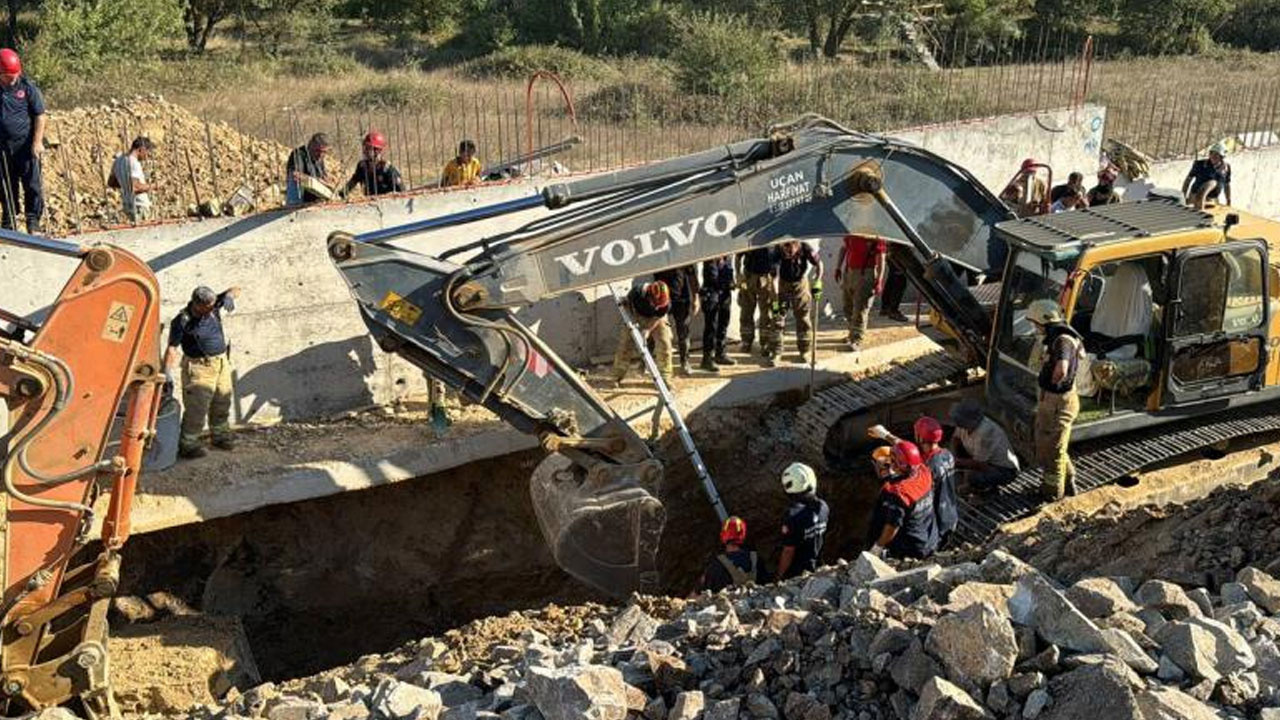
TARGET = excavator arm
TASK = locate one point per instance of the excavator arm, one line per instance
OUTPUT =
(812, 179)
(62, 382)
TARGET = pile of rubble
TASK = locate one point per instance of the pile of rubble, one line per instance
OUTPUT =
(195, 163)
(989, 639)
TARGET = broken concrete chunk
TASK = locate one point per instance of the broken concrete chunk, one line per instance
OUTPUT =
(587, 692)
(914, 667)
(968, 594)
(632, 626)
(892, 638)
(1168, 670)
(1164, 703)
(914, 579)
(1037, 604)
(759, 706)
(1237, 688)
(804, 706)
(820, 587)
(1262, 588)
(1022, 684)
(723, 710)
(687, 706)
(1099, 597)
(395, 700)
(867, 567)
(1169, 599)
(1205, 648)
(1093, 692)
(976, 645)
(1201, 598)
(1036, 703)
(942, 700)
(1127, 649)
(1003, 568)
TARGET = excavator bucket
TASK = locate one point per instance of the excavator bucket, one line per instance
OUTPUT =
(589, 495)
(601, 525)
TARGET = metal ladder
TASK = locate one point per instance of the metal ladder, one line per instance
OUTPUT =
(666, 399)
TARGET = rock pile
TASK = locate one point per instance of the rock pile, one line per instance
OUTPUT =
(88, 139)
(989, 639)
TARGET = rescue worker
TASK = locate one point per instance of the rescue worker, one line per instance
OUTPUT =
(1208, 178)
(903, 524)
(374, 172)
(894, 288)
(981, 447)
(1061, 349)
(1026, 194)
(307, 161)
(734, 565)
(757, 294)
(648, 305)
(805, 523)
(860, 271)
(206, 369)
(1104, 193)
(942, 469)
(464, 169)
(682, 282)
(717, 299)
(796, 291)
(22, 122)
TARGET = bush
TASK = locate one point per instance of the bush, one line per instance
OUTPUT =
(79, 37)
(1171, 26)
(723, 56)
(1255, 24)
(392, 94)
(521, 62)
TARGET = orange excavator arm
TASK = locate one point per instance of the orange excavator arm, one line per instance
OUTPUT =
(63, 382)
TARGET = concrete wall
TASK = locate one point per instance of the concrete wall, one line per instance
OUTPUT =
(1254, 185)
(299, 346)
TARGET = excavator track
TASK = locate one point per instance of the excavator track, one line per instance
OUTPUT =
(921, 374)
(1106, 460)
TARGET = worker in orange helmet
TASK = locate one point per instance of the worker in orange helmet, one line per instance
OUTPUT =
(648, 305)
(942, 469)
(22, 122)
(374, 172)
(903, 523)
(735, 565)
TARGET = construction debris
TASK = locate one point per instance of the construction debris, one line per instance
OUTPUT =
(858, 640)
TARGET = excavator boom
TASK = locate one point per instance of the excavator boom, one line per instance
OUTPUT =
(95, 353)
(807, 180)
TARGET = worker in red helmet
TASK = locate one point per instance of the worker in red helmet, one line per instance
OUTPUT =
(942, 469)
(903, 523)
(22, 124)
(648, 305)
(374, 172)
(735, 565)
(1027, 193)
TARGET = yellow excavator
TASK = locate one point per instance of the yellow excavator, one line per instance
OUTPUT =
(1177, 308)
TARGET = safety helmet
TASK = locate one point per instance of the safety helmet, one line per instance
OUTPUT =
(882, 458)
(1029, 164)
(658, 293)
(10, 63)
(906, 454)
(799, 478)
(375, 140)
(733, 531)
(1044, 311)
(1219, 148)
(927, 430)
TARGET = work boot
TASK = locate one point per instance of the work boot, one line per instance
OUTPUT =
(685, 370)
(708, 364)
(722, 359)
(770, 360)
(896, 316)
(852, 346)
(224, 443)
(746, 346)
(192, 452)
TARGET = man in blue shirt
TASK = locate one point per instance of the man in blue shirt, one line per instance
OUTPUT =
(1209, 178)
(206, 369)
(21, 143)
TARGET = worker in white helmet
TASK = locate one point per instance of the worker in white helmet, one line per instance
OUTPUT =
(1060, 353)
(804, 524)
(1209, 179)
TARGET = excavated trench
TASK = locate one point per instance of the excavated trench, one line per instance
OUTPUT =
(319, 583)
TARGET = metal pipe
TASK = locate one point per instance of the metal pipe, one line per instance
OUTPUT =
(43, 244)
(458, 218)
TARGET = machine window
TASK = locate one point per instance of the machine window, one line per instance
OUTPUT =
(1221, 292)
(1031, 277)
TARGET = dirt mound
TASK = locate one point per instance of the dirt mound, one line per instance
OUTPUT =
(89, 138)
(1204, 542)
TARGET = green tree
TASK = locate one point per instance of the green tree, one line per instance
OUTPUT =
(722, 55)
(398, 18)
(200, 17)
(81, 36)
(290, 26)
(1255, 24)
(986, 23)
(1171, 26)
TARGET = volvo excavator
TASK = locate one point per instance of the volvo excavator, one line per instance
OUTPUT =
(1179, 304)
(64, 383)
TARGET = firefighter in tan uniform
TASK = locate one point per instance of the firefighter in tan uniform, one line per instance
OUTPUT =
(206, 369)
(1060, 351)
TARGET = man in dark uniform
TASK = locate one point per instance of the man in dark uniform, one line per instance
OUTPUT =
(374, 172)
(895, 287)
(683, 284)
(717, 299)
(22, 126)
(795, 291)
(648, 305)
(942, 470)
(206, 369)
(734, 565)
(805, 523)
(1208, 178)
(903, 523)
(757, 293)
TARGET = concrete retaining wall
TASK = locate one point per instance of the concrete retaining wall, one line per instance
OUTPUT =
(298, 344)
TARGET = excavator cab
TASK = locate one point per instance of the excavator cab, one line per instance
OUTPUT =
(1173, 307)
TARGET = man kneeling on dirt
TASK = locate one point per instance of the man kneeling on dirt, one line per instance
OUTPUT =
(734, 565)
(982, 448)
(903, 523)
